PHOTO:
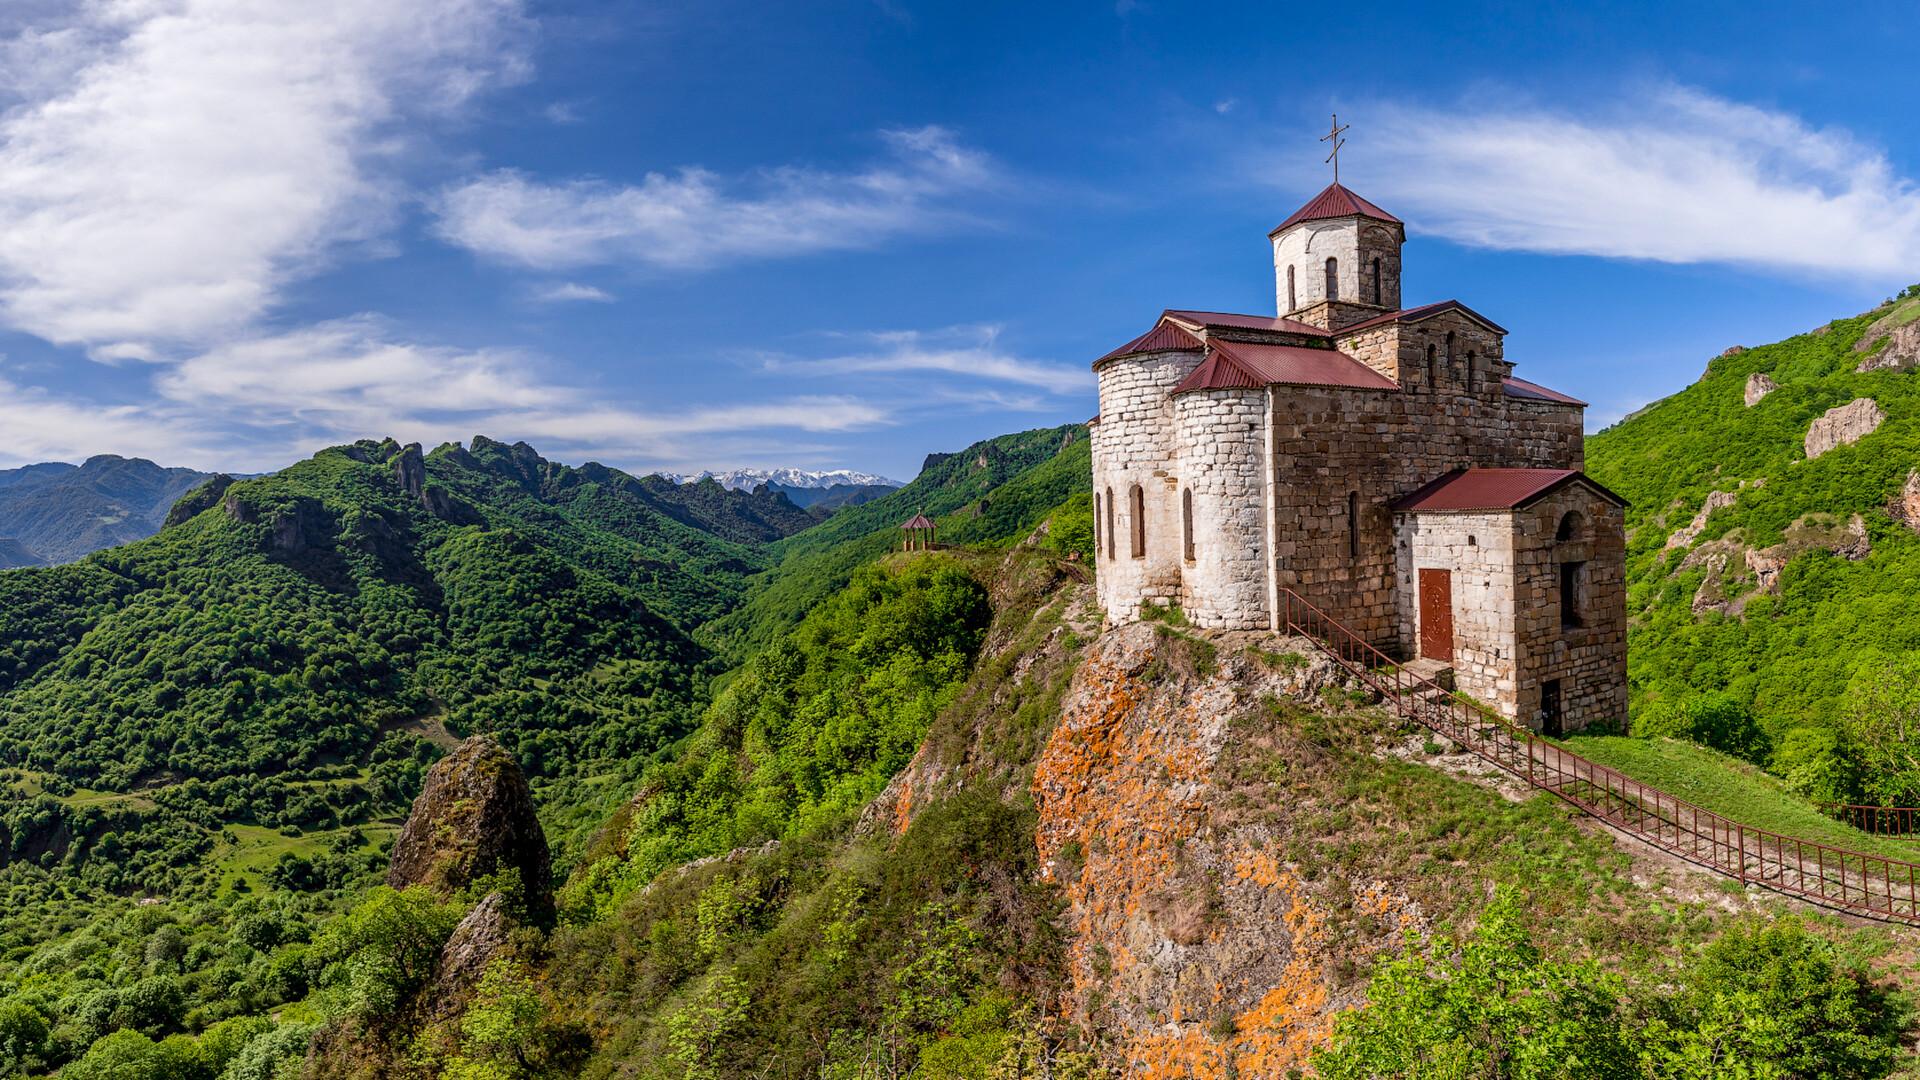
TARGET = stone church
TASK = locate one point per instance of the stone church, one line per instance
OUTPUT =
(1381, 462)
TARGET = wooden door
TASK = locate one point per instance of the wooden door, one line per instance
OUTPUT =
(1436, 615)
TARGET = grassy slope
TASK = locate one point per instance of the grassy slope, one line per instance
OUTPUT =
(1726, 785)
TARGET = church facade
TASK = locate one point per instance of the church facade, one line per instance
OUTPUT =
(1382, 463)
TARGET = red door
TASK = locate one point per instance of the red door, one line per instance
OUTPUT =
(1436, 615)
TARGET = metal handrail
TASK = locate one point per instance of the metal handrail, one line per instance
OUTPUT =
(1853, 881)
(1883, 820)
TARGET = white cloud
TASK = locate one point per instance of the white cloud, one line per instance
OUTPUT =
(1676, 176)
(259, 402)
(970, 351)
(573, 291)
(171, 163)
(694, 219)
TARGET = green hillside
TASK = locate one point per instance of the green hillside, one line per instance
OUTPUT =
(1800, 600)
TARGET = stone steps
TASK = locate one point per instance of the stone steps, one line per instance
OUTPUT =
(1437, 672)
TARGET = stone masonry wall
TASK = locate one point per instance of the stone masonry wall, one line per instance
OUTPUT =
(1221, 460)
(1478, 547)
(1134, 443)
(1330, 442)
(1355, 244)
(1591, 660)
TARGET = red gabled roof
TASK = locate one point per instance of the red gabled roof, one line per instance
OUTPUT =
(1241, 364)
(1521, 388)
(1336, 202)
(1162, 338)
(919, 522)
(1244, 322)
(1496, 489)
(1425, 311)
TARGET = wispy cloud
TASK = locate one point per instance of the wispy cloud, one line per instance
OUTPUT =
(696, 219)
(972, 352)
(168, 166)
(573, 291)
(1673, 175)
(261, 401)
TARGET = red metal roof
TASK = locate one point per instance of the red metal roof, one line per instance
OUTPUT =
(1241, 364)
(919, 522)
(1425, 311)
(1163, 337)
(1245, 322)
(1336, 202)
(1496, 489)
(1521, 388)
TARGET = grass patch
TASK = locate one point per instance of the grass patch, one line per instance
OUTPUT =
(1726, 785)
(1170, 614)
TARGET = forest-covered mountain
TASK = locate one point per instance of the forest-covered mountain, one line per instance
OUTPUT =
(55, 512)
(1773, 553)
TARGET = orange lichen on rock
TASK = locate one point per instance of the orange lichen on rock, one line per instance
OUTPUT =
(1199, 953)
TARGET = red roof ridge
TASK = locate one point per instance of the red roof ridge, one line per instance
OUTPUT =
(1514, 386)
(1278, 323)
(1336, 201)
(1424, 311)
(1252, 364)
(1164, 337)
(1496, 489)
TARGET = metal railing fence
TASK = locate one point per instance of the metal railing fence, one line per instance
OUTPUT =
(1850, 880)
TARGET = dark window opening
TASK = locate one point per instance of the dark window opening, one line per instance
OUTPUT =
(1137, 523)
(1333, 279)
(1469, 371)
(1570, 595)
(1551, 723)
(1569, 526)
(1449, 350)
(1112, 552)
(1353, 524)
(1378, 296)
(1433, 368)
(1292, 303)
(1186, 522)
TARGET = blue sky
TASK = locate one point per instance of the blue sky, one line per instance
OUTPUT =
(845, 234)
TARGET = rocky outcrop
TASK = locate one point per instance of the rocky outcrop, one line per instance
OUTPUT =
(410, 468)
(1843, 425)
(1685, 536)
(200, 499)
(480, 937)
(1758, 387)
(1905, 506)
(474, 819)
(1897, 350)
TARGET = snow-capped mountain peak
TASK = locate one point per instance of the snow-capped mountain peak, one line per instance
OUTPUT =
(747, 479)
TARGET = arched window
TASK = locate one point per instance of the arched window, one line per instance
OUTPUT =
(1112, 552)
(1293, 304)
(1469, 371)
(1099, 542)
(1186, 522)
(1353, 524)
(1137, 520)
(1433, 368)
(1378, 296)
(1333, 278)
(1570, 583)
(1569, 526)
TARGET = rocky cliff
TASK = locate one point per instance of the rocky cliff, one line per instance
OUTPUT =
(473, 821)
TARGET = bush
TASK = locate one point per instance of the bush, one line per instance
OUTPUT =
(1711, 720)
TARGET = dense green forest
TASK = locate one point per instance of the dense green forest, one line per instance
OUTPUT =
(1816, 672)
(208, 737)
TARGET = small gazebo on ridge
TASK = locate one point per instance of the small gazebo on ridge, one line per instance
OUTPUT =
(919, 532)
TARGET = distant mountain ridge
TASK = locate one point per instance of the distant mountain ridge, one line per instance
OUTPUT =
(58, 512)
(748, 479)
